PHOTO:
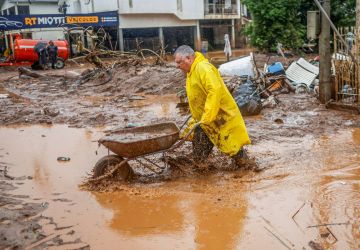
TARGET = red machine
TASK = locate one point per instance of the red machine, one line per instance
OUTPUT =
(24, 53)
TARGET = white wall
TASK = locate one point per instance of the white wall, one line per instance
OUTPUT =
(78, 6)
(86, 7)
(43, 8)
(153, 20)
(106, 5)
(191, 9)
(146, 6)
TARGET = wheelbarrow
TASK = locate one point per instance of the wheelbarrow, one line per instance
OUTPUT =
(133, 144)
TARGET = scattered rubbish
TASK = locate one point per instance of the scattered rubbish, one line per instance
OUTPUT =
(278, 238)
(4, 96)
(51, 113)
(44, 204)
(330, 224)
(279, 121)
(302, 71)
(297, 211)
(239, 67)
(302, 88)
(315, 246)
(62, 158)
(276, 68)
(248, 99)
(133, 125)
(136, 98)
(270, 102)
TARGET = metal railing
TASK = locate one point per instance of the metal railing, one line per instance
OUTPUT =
(220, 9)
(347, 84)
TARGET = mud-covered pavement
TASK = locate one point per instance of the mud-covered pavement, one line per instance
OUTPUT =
(306, 197)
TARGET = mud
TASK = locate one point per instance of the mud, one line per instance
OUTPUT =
(57, 99)
(306, 195)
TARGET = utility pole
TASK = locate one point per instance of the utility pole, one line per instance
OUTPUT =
(325, 56)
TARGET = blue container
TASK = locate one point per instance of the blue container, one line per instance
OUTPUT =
(276, 68)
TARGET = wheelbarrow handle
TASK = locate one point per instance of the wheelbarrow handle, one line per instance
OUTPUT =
(187, 119)
(180, 142)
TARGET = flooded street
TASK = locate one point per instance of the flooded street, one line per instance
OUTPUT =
(310, 194)
(305, 196)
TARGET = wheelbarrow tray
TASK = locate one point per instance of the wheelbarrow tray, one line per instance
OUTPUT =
(138, 141)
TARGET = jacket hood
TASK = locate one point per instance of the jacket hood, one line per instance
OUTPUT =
(198, 58)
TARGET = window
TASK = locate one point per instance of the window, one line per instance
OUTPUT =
(130, 3)
(12, 10)
(23, 10)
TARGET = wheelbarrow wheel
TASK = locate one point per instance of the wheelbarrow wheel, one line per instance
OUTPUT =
(109, 162)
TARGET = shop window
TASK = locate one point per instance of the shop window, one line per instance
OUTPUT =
(23, 10)
(12, 10)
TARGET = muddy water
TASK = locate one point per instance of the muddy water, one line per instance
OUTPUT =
(308, 182)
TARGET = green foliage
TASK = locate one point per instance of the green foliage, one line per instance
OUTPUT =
(284, 21)
(343, 12)
(275, 21)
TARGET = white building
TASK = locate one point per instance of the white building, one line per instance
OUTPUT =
(33, 7)
(149, 23)
(171, 22)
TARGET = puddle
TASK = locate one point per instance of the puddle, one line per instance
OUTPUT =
(157, 106)
(310, 182)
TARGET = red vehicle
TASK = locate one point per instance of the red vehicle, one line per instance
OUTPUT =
(25, 55)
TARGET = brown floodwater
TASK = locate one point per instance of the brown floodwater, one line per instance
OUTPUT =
(308, 183)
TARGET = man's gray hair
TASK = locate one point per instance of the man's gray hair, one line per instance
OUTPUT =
(184, 50)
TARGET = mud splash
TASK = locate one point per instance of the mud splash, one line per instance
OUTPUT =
(309, 195)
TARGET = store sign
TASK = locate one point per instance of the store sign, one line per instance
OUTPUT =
(100, 19)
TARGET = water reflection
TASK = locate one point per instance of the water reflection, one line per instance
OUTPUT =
(218, 227)
(218, 212)
(192, 218)
(140, 216)
(336, 197)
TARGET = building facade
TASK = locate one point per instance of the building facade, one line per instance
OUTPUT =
(33, 7)
(176, 22)
(170, 23)
(151, 24)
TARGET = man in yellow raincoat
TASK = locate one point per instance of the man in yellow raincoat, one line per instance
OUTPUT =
(214, 111)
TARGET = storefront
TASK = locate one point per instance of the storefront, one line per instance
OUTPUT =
(59, 26)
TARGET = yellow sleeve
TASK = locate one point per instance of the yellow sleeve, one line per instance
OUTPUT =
(212, 86)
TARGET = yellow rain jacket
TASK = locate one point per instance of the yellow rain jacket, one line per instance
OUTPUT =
(212, 105)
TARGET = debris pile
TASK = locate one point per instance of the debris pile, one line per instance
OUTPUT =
(255, 89)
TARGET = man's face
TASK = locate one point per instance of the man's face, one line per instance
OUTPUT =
(184, 62)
